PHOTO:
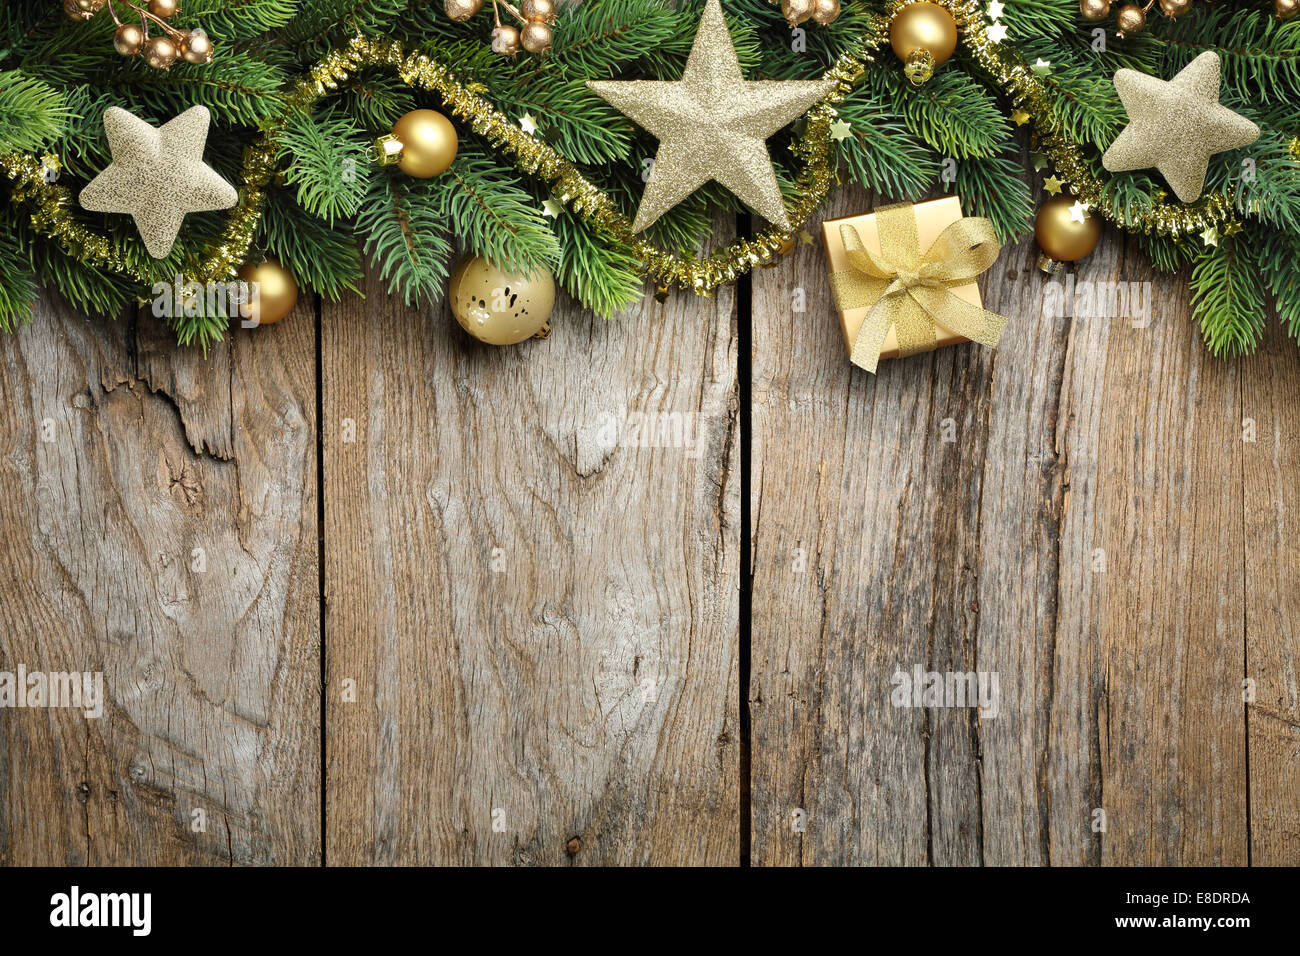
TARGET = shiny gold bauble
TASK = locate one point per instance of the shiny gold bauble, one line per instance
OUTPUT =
(428, 143)
(462, 10)
(1285, 9)
(537, 9)
(797, 11)
(196, 47)
(277, 292)
(1175, 8)
(498, 307)
(128, 39)
(90, 6)
(1061, 238)
(75, 12)
(1094, 9)
(505, 40)
(164, 8)
(160, 52)
(535, 36)
(1130, 19)
(923, 27)
(825, 11)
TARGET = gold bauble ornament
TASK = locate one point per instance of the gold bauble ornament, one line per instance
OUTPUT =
(1094, 9)
(537, 9)
(196, 47)
(825, 11)
(276, 291)
(500, 307)
(1060, 234)
(1130, 19)
(75, 12)
(428, 143)
(535, 37)
(1285, 9)
(462, 10)
(90, 6)
(160, 53)
(923, 36)
(797, 11)
(164, 9)
(505, 40)
(1175, 8)
(128, 39)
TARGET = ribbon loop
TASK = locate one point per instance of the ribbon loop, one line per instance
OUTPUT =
(912, 290)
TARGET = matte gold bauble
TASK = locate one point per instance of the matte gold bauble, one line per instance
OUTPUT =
(1175, 8)
(196, 47)
(535, 37)
(505, 40)
(90, 6)
(428, 143)
(1285, 9)
(499, 307)
(160, 52)
(923, 36)
(75, 12)
(1061, 237)
(128, 39)
(797, 11)
(825, 11)
(462, 10)
(1130, 19)
(276, 291)
(537, 9)
(164, 8)
(1094, 9)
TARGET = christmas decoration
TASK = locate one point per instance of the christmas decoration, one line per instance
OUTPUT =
(1066, 232)
(274, 291)
(423, 143)
(498, 306)
(904, 279)
(712, 125)
(160, 51)
(1131, 18)
(1285, 9)
(157, 175)
(923, 36)
(535, 18)
(823, 12)
(1176, 126)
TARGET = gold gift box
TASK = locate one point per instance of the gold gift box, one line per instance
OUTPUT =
(932, 218)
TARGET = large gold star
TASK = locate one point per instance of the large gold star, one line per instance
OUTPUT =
(712, 125)
(1176, 126)
(157, 175)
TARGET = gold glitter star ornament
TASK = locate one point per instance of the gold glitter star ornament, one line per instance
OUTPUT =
(157, 175)
(1176, 126)
(712, 125)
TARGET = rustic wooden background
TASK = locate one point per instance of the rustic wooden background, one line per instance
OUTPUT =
(365, 591)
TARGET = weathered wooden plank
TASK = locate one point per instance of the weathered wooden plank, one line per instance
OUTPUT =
(541, 628)
(1271, 500)
(158, 513)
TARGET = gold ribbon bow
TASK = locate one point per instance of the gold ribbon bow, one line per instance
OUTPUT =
(912, 290)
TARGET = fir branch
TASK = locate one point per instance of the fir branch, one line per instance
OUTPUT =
(405, 237)
(493, 216)
(32, 114)
(330, 165)
(1227, 299)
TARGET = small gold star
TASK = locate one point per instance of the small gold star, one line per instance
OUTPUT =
(997, 32)
(1042, 67)
(528, 123)
(805, 237)
(1078, 212)
(1053, 185)
(1039, 160)
(841, 130)
(1020, 117)
(1232, 228)
(1210, 236)
(551, 208)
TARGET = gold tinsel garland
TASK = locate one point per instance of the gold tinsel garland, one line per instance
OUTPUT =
(53, 203)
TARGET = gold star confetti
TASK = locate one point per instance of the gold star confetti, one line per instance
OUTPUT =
(1078, 212)
(1176, 126)
(1020, 117)
(157, 175)
(805, 237)
(1042, 67)
(528, 123)
(997, 32)
(1053, 185)
(840, 130)
(995, 9)
(712, 125)
(1231, 228)
(551, 208)
(1039, 160)
(1210, 236)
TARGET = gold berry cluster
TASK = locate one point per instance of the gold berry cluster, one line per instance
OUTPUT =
(162, 49)
(1132, 17)
(535, 18)
(820, 11)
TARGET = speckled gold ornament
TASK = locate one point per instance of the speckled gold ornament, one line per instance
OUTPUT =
(500, 307)
(712, 125)
(797, 11)
(276, 291)
(826, 12)
(1130, 18)
(462, 10)
(196, 47)
(1176, 126)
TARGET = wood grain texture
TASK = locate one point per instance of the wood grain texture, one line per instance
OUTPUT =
(540, 625)
(121, 457)
(1081, 536)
